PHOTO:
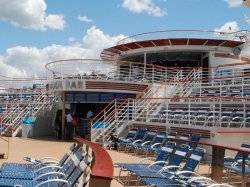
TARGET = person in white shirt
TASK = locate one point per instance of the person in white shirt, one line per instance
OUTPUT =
(90, 114)
(69, 120)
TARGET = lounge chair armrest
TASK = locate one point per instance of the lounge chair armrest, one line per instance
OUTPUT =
(32, 160)
(179, 173)
(147, 142)
(49, 159)
(46, 167)
(156, 144)
(228, 157)
(128, 139)
(52, 180)
(239, 162)
(136, 141)
(222, 184)
(47, 163)
(166, 168)
(125, 140)
(147, 158)
(158, 162)
(201, 178)
(55, 173)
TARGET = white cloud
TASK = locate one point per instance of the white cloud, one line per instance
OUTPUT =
(228, 27)
(234, 3)
(139, 6)
(72, 39)
(55, 22)
(84, 19)
(96, 39)
(21, 61)
(30, 14)
(247, 19)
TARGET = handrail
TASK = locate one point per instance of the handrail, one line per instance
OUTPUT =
(113, 70)
(39, 99)
(145, 90)
(102, 167)
(114, 111)
(119, 111)
(102, 111)
(212, 34)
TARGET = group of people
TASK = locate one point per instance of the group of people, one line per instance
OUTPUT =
(70, 125)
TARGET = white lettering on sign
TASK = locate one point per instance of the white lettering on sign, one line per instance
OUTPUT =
(73, 84)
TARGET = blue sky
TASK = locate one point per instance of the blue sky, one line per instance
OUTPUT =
(34, 32)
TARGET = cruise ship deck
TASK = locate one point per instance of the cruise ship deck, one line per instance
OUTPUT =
(183, 85)
(16, 148)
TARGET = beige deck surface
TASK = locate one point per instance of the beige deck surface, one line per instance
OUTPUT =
(42, 147)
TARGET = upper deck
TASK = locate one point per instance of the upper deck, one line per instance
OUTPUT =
(174, 40)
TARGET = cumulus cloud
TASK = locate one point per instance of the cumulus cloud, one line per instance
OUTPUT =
(139, 6)
(55, 22)
(234, 3)
(21, 61)
(96, 39)
(72, 39)
(228, 27)
(30, 14)
(84, 19)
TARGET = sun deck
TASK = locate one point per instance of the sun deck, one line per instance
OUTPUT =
(41, 147)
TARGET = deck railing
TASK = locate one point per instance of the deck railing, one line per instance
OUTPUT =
(37, 100)
(237, 36)
(90, 69)
(132, 110)
(196, 100)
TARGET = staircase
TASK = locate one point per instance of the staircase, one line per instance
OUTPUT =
(12, 119)
(118, 114)
(192, 79)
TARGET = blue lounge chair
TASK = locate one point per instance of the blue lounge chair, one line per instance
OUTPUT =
(194, 140)
(138, 135)
(200, 181)
(236, 168)
(36, 163)
(174, 160)
(138, 144)
(231, 162)
(238, 157)
(159, 161)
(67, 169)
(130, 136)
(162, 177)
(56, 179)
(182, 138)
(158, 140)
(157, 147)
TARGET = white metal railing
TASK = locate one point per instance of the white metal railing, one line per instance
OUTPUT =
(12, 119)
(199, 108)
(118, 115)
(200, 111)
(113, 116)
(205, 111)
(236, 83)
(84, 69)
(237, 36)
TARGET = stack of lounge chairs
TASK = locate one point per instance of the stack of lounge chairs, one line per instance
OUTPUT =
(48, 171)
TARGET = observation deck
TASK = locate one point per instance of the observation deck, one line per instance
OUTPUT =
(174, 40)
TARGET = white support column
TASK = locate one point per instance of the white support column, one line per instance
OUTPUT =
(145, 65)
